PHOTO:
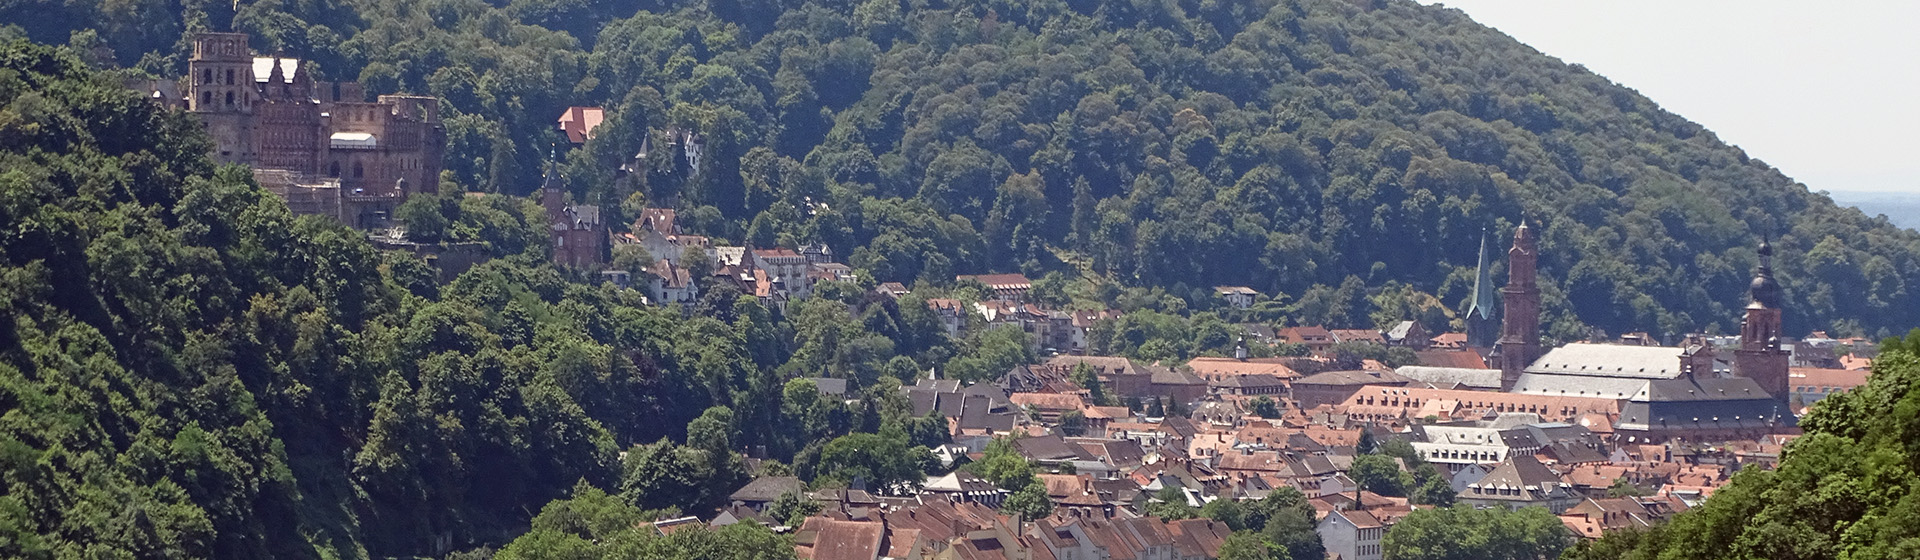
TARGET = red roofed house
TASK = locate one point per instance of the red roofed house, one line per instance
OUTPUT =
(821, 538)
(1216, 369)
(1450, 341)
(1464, 359)
(1315, 338)
(952, 313)
(578, 123)
(579, 237)
(672, 284)
(1809, 385)
(1353, 535)
(785, 268)
(1358, 335)
(1048, 406)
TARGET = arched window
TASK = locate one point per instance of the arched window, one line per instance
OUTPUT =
(358, 171)
(229, 98)
(333, 169)
(206, 98)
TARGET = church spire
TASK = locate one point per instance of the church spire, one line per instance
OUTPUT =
(1760, 356)
(1765, 291)
(1482, 326)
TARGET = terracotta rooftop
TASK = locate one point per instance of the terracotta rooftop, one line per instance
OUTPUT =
(578, 122)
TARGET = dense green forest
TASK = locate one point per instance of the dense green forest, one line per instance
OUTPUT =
(1319, 151)
(189, 371)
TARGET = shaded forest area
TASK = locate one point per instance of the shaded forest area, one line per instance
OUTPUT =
(1318, 151)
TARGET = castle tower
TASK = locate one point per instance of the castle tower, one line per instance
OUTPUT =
(1519, 343)
(1759, 357)
(553, 195)
(221, 92)
(1482, 328)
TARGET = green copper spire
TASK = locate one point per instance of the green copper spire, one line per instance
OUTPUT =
(1482, 327)
(1483, 299)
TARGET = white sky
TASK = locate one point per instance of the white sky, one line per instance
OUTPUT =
(1827, 91)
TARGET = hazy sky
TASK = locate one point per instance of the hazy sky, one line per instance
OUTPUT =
(1826, 91)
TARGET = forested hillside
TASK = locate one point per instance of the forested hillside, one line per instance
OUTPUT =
(1314, 149)
(188, 371)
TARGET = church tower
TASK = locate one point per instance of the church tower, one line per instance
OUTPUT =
(1759, 357)
(1483, 329)
(1519, 343)
(221, 92)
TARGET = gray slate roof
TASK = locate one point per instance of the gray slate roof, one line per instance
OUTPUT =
(1579, 385)
(1610, 360)
(1736, 402)
(1356, 377)
(767, 489)
(830, 386)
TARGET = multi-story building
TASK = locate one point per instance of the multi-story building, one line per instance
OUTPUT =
(580, 238)
(332, 150)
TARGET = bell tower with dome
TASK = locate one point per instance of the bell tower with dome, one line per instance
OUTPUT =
(1760, 357)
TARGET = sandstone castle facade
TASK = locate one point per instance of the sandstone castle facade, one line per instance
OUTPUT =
(319, 145)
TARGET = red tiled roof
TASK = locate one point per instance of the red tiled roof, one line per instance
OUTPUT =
(1843, 379)
(774, 253)
(1047, 401)
(1466, 359)
(846, 540)
(1365, 335)
(1304, 334)
(579, 122)
(1214, 368)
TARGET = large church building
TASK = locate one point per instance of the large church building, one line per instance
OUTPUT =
(1667, 394)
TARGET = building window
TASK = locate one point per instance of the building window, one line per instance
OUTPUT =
(206, 98)
(333, 169)
(206, 76)
(358, 171)
(229, 76)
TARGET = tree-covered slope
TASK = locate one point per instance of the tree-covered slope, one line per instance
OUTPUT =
(1294, 146)
(1846, 490)
(188, 371)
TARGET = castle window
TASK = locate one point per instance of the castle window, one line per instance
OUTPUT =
(358, 171)
(229, 98)
(206, 76)
(206, 98)
(333, 169)
(229, 76)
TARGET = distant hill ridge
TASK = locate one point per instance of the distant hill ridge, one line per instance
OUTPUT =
(1312, 148)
